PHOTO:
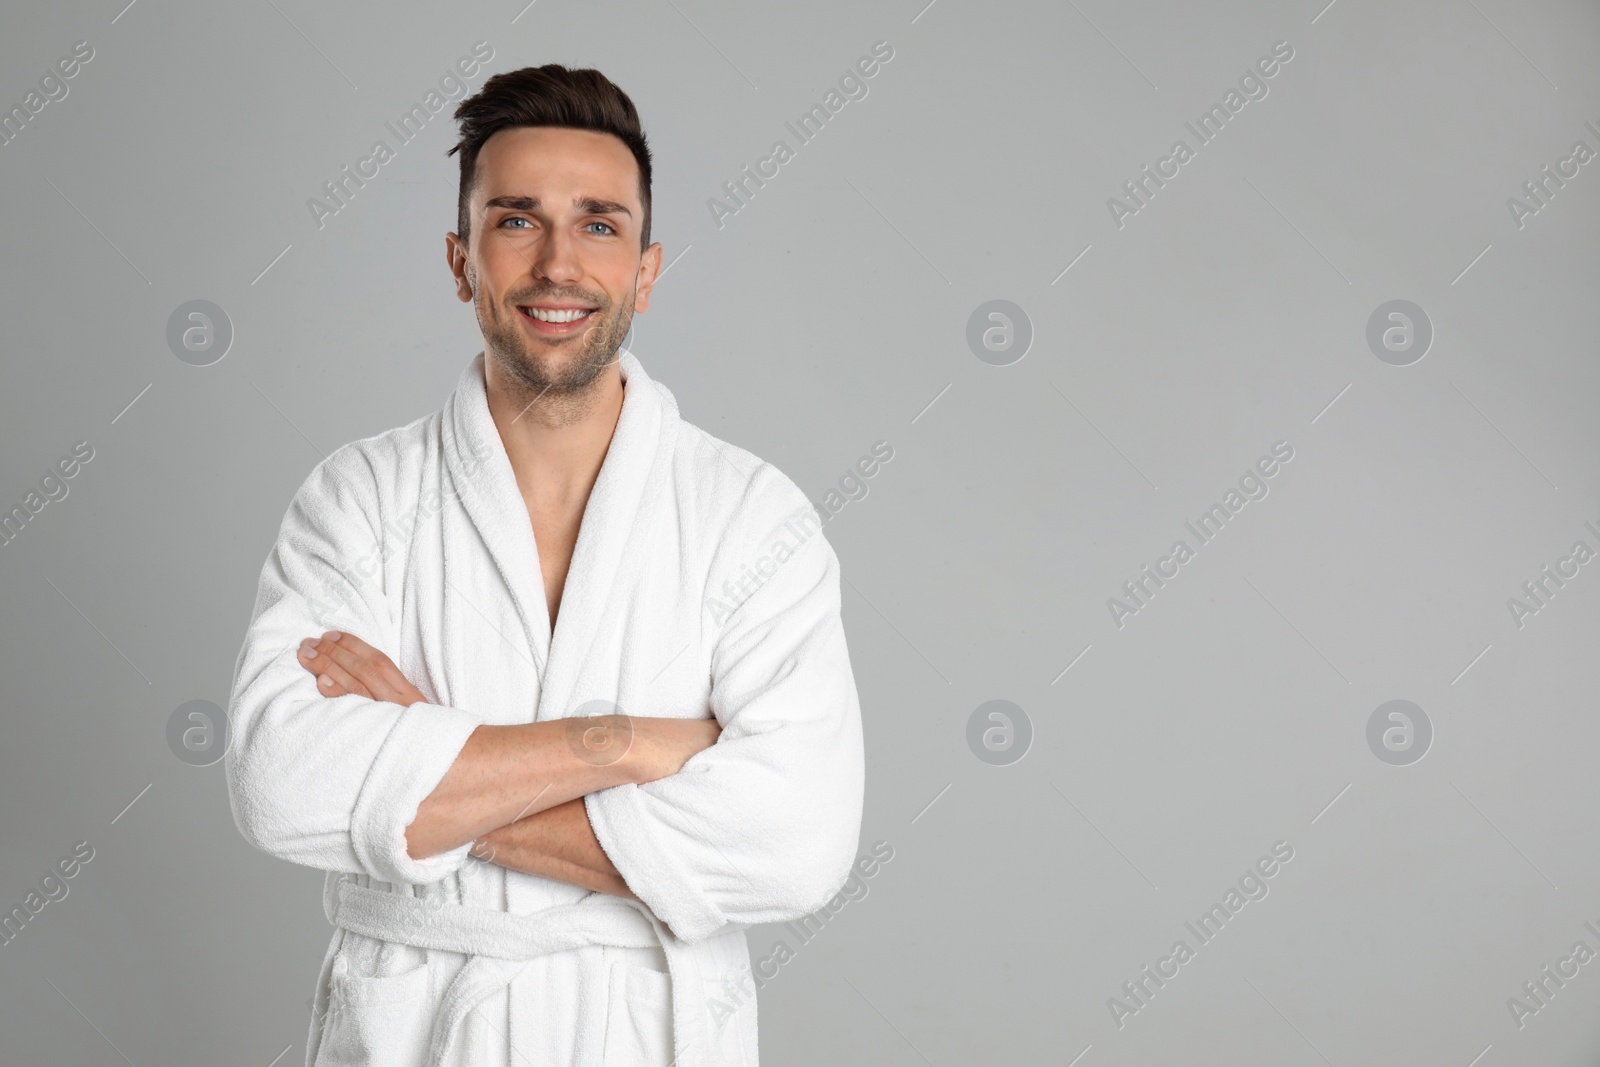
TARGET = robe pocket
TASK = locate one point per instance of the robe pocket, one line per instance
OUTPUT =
(382, 1021)
(638, 1017)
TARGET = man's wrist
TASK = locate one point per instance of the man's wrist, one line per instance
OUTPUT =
(609, 744)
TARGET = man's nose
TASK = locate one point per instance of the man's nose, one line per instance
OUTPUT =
(557, 259)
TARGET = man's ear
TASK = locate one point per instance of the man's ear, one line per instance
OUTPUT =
(455, 254)
(649, 271)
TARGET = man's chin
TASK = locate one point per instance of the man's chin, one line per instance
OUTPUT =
(561, 367)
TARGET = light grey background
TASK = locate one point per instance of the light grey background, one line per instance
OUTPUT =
(1230, 313)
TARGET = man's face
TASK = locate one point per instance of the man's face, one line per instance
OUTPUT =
(553, 266)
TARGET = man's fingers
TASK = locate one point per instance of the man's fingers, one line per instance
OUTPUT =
(373, 671)
(328, 687)
(358, 667)
(332, 678)
(310, 658)
(341, 651)
(352, 643)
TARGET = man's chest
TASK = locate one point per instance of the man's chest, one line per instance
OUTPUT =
(555, 535)
(626, 628)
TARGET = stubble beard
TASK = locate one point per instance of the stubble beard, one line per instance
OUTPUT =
(559, 377)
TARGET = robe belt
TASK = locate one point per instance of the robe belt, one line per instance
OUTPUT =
(500, 944)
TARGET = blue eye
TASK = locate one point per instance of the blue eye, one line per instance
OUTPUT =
(514, 218)
(606, 225)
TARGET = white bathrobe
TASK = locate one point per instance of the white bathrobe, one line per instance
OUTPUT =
(700, 586)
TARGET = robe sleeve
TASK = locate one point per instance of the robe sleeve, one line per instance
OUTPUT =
(763, 825)
(332, 783)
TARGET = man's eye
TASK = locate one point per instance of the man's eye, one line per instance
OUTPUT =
(607, 226)
(514, 218)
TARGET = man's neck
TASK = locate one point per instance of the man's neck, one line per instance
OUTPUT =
(556, 444)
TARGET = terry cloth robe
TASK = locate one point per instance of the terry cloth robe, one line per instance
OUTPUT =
(700, 586)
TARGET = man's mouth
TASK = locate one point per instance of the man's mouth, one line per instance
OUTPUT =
(556, 316)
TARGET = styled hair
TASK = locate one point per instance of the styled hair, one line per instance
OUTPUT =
(551, 95)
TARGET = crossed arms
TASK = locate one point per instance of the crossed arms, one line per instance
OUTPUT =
(517, 791)
(750, 816)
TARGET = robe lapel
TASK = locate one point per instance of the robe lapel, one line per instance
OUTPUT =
(492, 502)
(617, 505)
(487, 490)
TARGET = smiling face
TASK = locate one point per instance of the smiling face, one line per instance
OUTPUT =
(553, 267)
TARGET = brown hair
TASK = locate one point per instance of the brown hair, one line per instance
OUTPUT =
(551, 95)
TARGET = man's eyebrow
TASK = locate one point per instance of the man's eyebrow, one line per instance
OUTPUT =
(587, 205)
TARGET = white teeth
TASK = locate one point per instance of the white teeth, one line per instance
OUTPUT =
(557, 316)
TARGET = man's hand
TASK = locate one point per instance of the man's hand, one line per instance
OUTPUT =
(511, 777)
(653, 747)
(345, 664)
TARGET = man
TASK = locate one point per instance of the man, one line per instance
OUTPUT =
(551, 683)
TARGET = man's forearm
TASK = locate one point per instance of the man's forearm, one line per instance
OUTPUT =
(506, 773)
(556, 843)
